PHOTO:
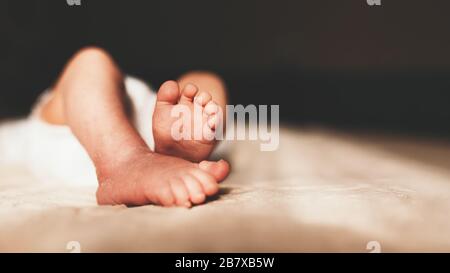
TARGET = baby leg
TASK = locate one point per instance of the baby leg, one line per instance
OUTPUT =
(89, 98)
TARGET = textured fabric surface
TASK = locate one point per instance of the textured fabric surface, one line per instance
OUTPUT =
(321, 191)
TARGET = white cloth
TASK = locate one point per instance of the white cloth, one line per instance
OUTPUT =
(53, 153)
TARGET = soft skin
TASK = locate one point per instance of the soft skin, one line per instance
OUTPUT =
(89, 97)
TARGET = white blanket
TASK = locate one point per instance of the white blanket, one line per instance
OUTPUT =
(53, 154)
(321, 191)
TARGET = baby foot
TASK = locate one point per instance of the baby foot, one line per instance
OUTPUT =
(198, 146)
(151, 178)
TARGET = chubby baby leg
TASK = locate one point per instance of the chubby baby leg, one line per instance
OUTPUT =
(89, 98)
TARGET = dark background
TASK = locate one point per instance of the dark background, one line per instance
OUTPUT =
(339, 63)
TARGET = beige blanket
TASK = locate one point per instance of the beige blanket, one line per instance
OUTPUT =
(321, 191)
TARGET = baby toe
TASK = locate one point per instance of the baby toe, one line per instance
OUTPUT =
(202, 98)
(211, 108)
(195, 189)
(212, 121)
(188, 93)
(165, 196)
(209, 134)
(219, 170)
(209, 184)
(181, 194)
(168, 93)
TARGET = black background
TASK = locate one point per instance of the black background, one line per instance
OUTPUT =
(338, 62)
(284, 262)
